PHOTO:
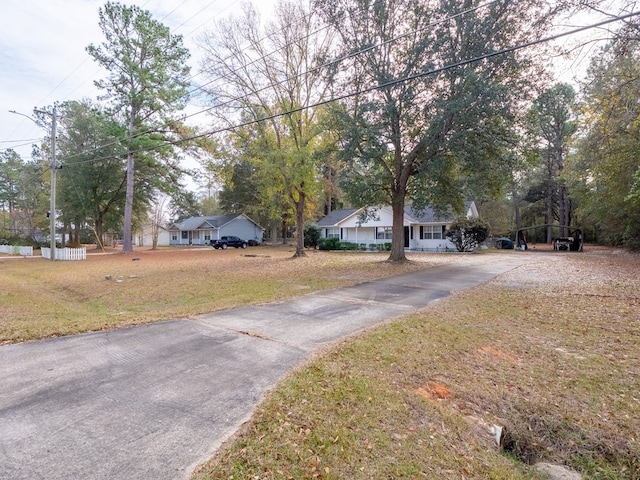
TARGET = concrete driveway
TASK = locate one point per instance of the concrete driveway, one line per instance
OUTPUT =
(154, 401)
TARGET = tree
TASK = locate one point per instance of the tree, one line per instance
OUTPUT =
(10, 169)
(312, 235)
(269, 75)
(146, 83)
(605, 169)
(183, 205)
(412, 133)
(551, 124)
(93, 181)
(467, 233)
(156, 218)
(22, 195)
(240, 192)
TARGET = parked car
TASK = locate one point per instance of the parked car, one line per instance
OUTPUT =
(253, 243)
(504, 243)
(229, 241)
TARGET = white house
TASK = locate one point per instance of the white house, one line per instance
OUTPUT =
(422, 230)
(145, 237)
(201, 230)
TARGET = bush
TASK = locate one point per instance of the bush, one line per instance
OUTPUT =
(467, 233)
(348, 246)
(380, 247)
(631, 237)
(311, 235)
(329, 243)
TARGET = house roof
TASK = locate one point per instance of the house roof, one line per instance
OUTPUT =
(337, 216)
(430, 216)
(199, 223)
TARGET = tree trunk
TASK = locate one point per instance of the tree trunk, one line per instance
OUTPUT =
(63, 242)
(300, 205)
(127, 245)
(516, 208)
(99, 230)
(284, 232)
(564, 210)
(563, 199)
(397, 243)
(549, 201)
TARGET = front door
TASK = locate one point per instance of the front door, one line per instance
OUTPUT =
(406, 237)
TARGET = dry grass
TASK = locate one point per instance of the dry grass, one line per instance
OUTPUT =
(40, 299)
(550, 351)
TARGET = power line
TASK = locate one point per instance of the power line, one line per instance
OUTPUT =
(331, 62)
(339, 59)
(23, 140)
(395, 82)
(424, 74)
(70, 75)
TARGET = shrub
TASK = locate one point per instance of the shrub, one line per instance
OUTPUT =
(467, 233)
(311, 235)
(329, 243)
(348, 246)
(631, 237)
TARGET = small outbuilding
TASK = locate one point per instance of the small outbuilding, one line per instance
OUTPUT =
(201, 230)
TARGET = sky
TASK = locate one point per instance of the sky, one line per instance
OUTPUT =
(43, 58)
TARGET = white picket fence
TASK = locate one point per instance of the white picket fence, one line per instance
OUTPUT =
(65, 253)
(16, 250)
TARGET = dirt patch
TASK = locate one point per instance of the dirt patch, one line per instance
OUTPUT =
(434, 391)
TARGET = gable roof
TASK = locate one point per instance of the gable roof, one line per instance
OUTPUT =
(215, 221)
(337, 216)
(429, 215)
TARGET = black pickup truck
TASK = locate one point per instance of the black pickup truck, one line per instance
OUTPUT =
(229, 241)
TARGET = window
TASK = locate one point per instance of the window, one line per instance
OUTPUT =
(174, 235)
(185, 235)
(333, 233)
(384, 233)
(432, 232)
(207, 236)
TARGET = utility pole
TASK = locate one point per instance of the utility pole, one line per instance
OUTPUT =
(54, 169)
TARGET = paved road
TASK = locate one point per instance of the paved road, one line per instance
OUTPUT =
(154, 401)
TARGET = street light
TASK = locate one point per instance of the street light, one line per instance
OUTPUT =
(54, 168)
